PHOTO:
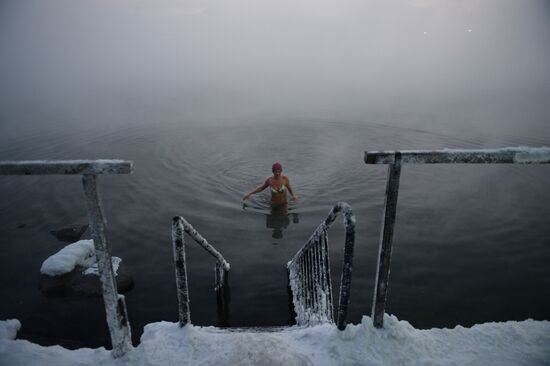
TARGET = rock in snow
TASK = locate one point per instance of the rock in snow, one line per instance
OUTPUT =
(71, 234)
(74, 268)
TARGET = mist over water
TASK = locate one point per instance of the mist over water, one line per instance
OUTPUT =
(483, 63)
(203, 96)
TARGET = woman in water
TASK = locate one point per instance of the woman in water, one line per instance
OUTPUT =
(279, 186)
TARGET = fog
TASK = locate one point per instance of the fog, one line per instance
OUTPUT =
(213, 60)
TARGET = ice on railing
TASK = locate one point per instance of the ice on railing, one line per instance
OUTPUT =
(190, 230)
(506, 155)
(531, 155)
(309, 279)
(309, 273)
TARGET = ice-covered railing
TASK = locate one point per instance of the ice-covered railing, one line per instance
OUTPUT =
(309, 273)
(115, 306)
(508, 155)
(179, 226)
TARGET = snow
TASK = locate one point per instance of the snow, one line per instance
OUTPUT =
(533, 155)
(163, 343)
(93, 270)
(81, 253)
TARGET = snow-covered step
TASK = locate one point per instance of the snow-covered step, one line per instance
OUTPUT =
(270, 329)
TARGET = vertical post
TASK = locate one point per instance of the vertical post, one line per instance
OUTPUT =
(385, 247)
(181, 271)
(115, 307)
(222, 295)
(345, 282)
(329, 277)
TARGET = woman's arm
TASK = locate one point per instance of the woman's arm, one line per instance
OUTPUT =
(257, 190)
(295, 198)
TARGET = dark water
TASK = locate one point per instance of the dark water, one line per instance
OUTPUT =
(472, 243)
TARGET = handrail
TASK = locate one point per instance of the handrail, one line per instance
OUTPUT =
(189, 229)
(115, 305)
(507, 155)
(309, 273)
(41, 167)
(179, 226)
(394, 159)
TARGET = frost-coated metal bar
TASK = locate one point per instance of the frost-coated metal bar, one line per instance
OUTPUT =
(308, 281)
(329, 278)
(178, 243)
(318, 280)
(303, 281)
(325, 287)
(385, 246)
(345, 282)
(41, 167)
(203, 243)
(115, 307)
(315, 281)
(508, 155)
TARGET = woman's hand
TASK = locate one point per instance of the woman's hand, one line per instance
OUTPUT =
(295, 198)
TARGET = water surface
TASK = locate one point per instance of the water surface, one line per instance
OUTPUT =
(471, 243)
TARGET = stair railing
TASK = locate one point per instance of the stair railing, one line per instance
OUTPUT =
(309, 273)
(221, 269)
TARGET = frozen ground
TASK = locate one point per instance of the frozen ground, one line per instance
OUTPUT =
(163, 343)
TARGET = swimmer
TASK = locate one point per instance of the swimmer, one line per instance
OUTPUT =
(279, 186)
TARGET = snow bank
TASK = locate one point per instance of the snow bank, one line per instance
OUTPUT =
(9, 328)
(81, 253)
(163, 343)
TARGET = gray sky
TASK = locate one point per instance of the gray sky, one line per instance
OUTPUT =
(273, 54)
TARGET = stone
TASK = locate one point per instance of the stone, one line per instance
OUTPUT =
(70, 234)
(76, 283)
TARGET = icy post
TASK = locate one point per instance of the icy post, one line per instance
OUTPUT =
(115, 306)
(181, 272)
(385, 246)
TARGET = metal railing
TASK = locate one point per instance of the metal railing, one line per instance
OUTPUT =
(309, 273)
(221, 269)
(517, 155)
(115, 306)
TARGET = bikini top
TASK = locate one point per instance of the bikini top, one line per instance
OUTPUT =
(281, 189)
(274, 190)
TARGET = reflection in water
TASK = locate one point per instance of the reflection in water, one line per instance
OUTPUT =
(279, 219)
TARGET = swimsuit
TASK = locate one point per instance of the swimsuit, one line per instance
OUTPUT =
(281, 189)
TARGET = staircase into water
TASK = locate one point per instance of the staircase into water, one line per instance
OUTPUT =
(308, 272)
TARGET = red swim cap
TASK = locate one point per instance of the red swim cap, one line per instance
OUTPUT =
(276, 166)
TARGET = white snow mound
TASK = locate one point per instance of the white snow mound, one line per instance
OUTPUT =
(80, 253)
